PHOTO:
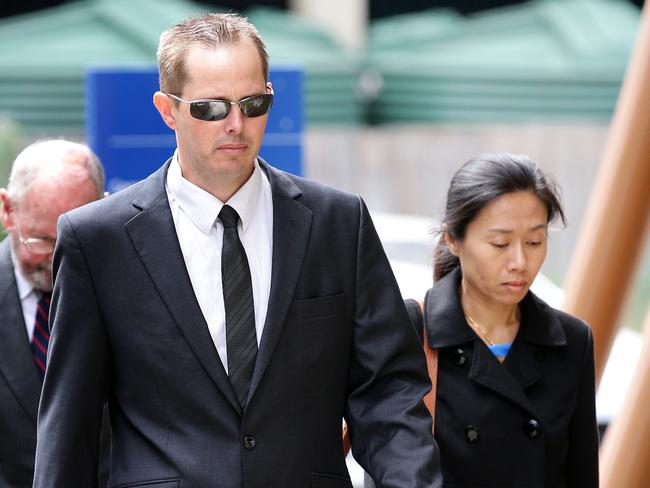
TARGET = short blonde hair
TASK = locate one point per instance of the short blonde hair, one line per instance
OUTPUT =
(210, 31)
(51, 157)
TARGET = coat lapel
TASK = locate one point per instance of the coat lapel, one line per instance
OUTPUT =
(487, 371)
(291, 227)
(540, 329)
(16, 360)
(154, 238)
(446, 326)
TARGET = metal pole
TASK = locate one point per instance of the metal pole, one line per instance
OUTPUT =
(612, 236)
(626, 446)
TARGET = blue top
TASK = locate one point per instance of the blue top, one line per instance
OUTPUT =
(500, 350)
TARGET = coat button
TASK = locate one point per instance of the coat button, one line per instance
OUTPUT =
(458, 357)
(471, 434)
(249, 442)
(539, 353)
(532, 428)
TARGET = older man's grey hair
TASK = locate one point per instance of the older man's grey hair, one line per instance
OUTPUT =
(49, 158)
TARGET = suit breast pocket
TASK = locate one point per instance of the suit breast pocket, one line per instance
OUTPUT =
(311, 308)
(160, 483)
(323, 480)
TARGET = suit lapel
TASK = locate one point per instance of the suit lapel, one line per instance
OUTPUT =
(153, 235)
(291, 227)
(16, 360)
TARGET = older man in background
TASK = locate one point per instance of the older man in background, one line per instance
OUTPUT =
(47, 179)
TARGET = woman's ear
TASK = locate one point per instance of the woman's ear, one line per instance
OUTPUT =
(452, 244)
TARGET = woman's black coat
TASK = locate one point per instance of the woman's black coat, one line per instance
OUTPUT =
(527, 422)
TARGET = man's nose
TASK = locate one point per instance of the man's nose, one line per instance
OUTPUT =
(234, 120)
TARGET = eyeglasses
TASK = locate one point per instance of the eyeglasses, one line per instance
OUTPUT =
(211, 110)
(36, 245)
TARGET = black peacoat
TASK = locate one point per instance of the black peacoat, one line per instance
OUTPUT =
(527, 422)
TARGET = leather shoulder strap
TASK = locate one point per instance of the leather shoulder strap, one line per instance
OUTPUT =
(432, 363)
(417, 314)
(432, 368)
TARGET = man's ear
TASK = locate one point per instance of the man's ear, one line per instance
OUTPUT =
(6, 213)
(269, 88)
(164, 106)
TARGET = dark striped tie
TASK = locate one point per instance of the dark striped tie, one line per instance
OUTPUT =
(41, 336)
(241, 343)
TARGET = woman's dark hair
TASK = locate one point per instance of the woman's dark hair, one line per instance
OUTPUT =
(477, 183)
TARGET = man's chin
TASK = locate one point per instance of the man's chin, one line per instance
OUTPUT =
(39, 280)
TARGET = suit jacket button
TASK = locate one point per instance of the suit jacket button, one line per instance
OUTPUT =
(458, 357)
(249, 442)
(532, 428)
(472, 434)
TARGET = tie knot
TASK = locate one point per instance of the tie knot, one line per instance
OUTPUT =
(228, 216)
(45, 295)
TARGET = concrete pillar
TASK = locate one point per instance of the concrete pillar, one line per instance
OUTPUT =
(345, 20)
(612, 237)
(626, 446)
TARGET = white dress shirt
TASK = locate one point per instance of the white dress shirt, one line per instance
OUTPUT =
(28, 298)
(200, 234)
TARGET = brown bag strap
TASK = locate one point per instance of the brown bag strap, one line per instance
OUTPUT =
(432, 367)
(346, 440)
(432, 364)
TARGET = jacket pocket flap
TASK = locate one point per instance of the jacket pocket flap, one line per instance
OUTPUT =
(323, 480)
(160, 483)
(319, 306)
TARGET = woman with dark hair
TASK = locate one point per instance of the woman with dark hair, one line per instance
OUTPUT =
(515, 401)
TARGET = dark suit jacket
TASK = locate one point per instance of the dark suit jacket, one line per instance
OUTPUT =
(20, 386)
(532, 418)
(337, 341)
(20, 389)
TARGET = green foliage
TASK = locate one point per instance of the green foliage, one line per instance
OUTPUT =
(11, 141)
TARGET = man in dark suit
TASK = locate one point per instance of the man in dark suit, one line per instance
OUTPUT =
(231, 314)
(47, 179)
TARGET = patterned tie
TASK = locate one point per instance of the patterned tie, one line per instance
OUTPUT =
(241, 343)
(41, 336)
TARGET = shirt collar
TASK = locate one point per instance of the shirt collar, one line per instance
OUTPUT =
(202, 208)
(24, 287)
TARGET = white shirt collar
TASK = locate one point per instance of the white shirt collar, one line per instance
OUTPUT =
(203, 208)
(24, 287)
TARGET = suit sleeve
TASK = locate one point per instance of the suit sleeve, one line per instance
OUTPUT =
(74, 390)
(390, 428)
(582, 459)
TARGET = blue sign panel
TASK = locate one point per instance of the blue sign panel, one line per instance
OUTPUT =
(130, 138)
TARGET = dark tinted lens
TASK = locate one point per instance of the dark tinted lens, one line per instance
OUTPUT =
(209, 110)
(256, 105)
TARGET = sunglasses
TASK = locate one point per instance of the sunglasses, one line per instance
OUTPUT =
(211, 110)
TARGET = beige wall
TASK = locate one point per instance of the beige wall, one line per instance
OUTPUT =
(407, 168)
